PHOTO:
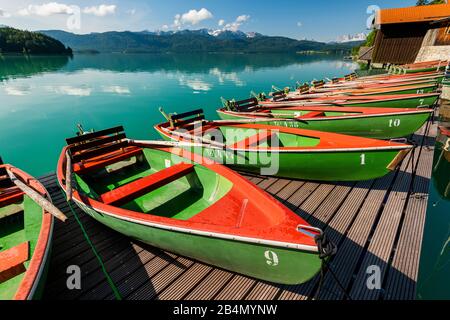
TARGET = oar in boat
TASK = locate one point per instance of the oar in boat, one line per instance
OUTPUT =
(269, 116)
(68, 176)
(36, 197)
(161, 143)
(202, 140)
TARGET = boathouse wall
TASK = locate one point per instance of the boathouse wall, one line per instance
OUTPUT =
(399, 43)
(436, 43)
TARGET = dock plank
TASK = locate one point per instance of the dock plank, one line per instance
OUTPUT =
(404, 269)
(382, 242)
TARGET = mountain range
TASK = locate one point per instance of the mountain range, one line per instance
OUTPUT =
(202, 40)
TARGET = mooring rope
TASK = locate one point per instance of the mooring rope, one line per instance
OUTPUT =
(99, 259)
(327, 250)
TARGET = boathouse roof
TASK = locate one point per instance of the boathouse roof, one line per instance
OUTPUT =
(426, 13)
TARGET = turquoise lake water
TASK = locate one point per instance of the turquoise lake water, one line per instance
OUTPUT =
(434, 269)
(43, 98)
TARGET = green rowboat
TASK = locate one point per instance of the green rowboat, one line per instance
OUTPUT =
(376, 123)
(285, 152)
(25, 235)
(169, 198)
(383, 101)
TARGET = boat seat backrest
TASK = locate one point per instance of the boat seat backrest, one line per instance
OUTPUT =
(350, 77)
(318, 84)
(137, 188)
(303, 89)
(94, 144)
(186, 118)
(101, 148)
(2, 169)
(10, 195)
(5, 181)
(246, 104)
(279, 95)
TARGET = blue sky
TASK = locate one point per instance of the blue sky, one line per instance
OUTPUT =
(323, 20)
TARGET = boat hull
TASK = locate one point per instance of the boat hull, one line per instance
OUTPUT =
(431, 69)
(336, 165)
(425, 101)
(41, 282)
(379, 127)
(414, 102)
(419, 90)
(269, 263)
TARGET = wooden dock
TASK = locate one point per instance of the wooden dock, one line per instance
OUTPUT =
(374, 223)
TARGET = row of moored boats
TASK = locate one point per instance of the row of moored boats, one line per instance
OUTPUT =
(179, 194)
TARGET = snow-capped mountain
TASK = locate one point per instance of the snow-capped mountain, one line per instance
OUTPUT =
(219, 33)
(228, 34)
(348, 37)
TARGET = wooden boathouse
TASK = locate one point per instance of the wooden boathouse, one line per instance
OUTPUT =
(412, 34)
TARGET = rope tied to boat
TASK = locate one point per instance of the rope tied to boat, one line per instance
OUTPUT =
(325, 246)
(108, 278)
(327, 250)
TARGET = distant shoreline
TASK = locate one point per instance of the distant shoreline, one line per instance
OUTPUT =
(93, 52)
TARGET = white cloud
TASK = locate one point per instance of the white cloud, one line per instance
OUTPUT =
(242, 18)
(4, 14)
(101, 10)
(116, 89)
(299, 24)
(46, 9)
(165, 27)
(227, 76)
(131, 11)
(195, 84)
(18, 90)
(177, 22)
(191, 17)
(234, 26)
(194, 17)
(221, 22)
(72, 91)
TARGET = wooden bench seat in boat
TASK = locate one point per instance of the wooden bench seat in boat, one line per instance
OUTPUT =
(10, 210)
(10, 195)
(254, 140)
(11, 261)
(135, 189)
